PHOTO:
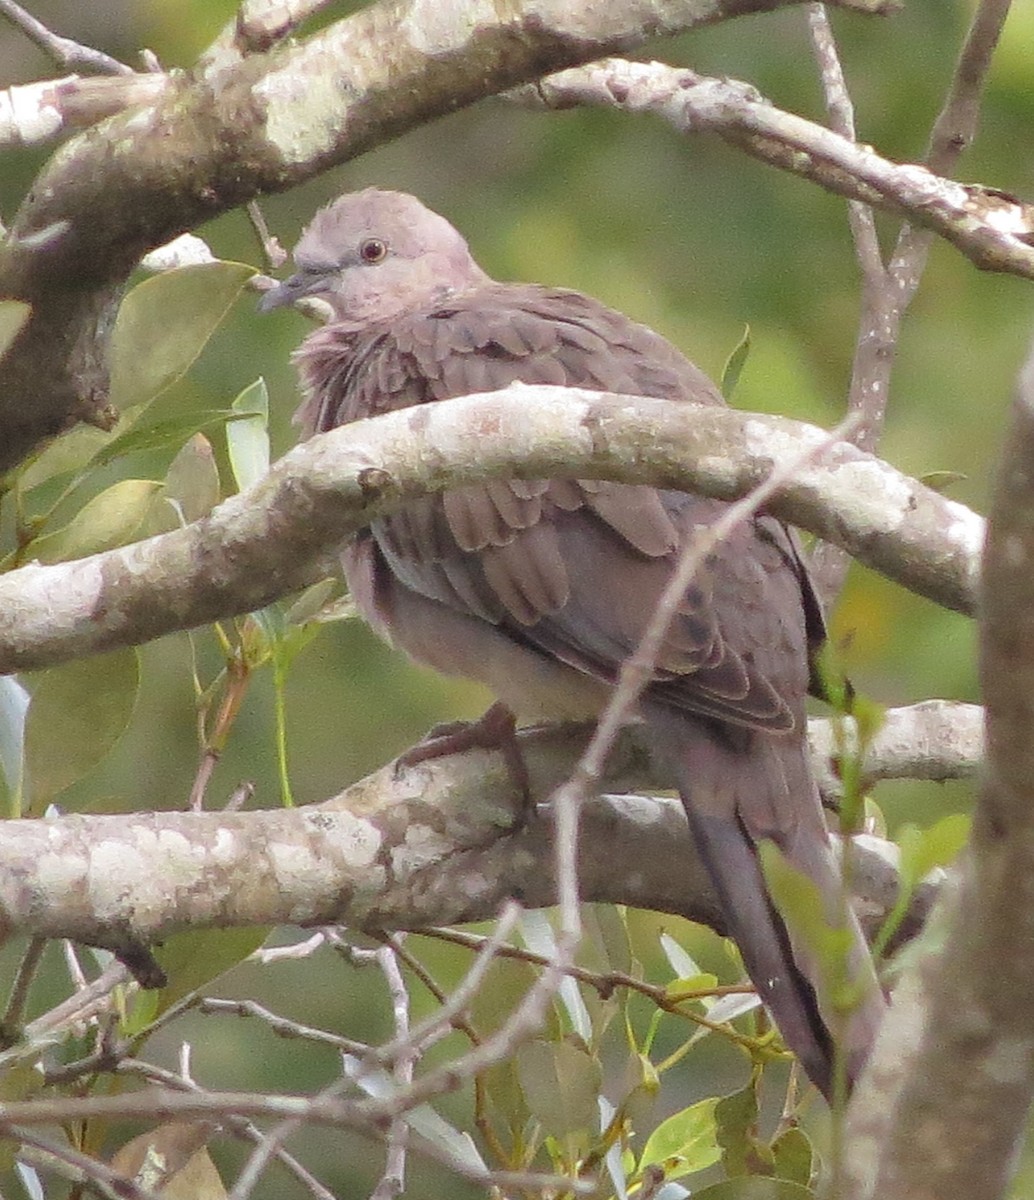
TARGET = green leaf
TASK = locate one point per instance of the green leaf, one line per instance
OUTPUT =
(13, 315)
(922, 850)
(309, 606)
(794, 1156)
(755, 1187)
(686, 1142)
(247, 439)
(77, 714)
(942, 481)
(736, 1117)
(192, 480)
(191, 960)
(14, 703)
(108, 520)
(734, 365)
(538, 936)
(163, 326)
(173, 431)
(560, 1082)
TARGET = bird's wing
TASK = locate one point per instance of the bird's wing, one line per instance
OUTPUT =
(574, 568)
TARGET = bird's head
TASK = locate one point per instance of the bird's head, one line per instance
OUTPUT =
(373, 255)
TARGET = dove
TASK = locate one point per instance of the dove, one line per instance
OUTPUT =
(540, 589)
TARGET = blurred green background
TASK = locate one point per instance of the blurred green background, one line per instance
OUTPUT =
(684, 234)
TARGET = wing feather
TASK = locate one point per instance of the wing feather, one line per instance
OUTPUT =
(574, 568)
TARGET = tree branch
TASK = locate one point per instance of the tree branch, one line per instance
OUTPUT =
(239, 126)
(441, 842)
(992, 230)
(949, 1117)
(273, 538)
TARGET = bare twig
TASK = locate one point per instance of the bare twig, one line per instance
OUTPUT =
(34, 113)
(281, 1026)
(19, 996)
(993, 231)
(888, 290)
(393, 1178)
(428, 1030)
(79, 1168)
(62, 50)
(275, 254)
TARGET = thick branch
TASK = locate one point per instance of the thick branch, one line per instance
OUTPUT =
(36, 112)
(239, 126)
(269, 540)
(994, 231)
(441, 842)
(948, 1120)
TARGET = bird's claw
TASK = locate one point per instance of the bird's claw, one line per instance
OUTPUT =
(496, 730)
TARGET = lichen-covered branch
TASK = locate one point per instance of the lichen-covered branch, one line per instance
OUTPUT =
(270, 540)
(251, 120)
(994, 231)
(444, 841)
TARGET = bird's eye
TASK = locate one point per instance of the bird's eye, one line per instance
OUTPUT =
(373, 250)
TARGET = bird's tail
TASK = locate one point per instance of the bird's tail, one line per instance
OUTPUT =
(735, 797)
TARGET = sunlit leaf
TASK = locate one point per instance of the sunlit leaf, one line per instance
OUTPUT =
(680, 960)
(560, 1082)
(423, 1119)
(14, 703)
(192, 480)
(13, 315)
(163, 326)
(924, 849)
(311, 603)
(247, 439)
(942, 481)
(921, 851)
(77, 714)
(735, 1004)
(614, 1160)
(108, 520)
(685, 1142)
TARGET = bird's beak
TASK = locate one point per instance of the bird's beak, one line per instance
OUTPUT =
(304, 283)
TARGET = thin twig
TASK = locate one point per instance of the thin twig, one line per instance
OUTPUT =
(62, 50)
(240, 1126)
(460, 997)
(393, 1178)
(275, 254)
(23, 978)
(888, 291)
(82, 1169)
(281, 1026)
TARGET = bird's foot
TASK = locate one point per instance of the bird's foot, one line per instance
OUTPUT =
(496, 729)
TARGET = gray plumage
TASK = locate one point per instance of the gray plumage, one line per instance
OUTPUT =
(540, 589)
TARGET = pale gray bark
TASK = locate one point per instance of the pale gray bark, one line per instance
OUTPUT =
(268, 541)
